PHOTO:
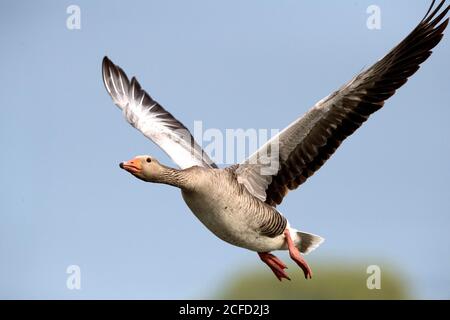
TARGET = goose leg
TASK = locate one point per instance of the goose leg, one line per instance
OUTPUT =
(296, 256)
(275, 264)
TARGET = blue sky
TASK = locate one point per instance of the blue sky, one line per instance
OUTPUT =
(384, 195)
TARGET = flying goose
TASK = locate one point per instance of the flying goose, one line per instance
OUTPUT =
(238, 203)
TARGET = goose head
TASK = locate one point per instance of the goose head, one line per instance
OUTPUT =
(145, 168)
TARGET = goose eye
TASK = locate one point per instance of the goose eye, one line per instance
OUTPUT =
(149, 160)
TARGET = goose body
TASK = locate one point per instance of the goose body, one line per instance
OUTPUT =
(234, 215)
(238, 203)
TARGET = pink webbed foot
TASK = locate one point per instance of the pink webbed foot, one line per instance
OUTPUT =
(296, 256)
(275, 264)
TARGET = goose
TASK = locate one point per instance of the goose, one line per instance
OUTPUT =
(239, 203)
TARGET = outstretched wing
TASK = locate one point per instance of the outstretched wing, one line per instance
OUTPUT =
(303, 147)
(149, 117)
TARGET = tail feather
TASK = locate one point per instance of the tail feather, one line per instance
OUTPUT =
(308, 242)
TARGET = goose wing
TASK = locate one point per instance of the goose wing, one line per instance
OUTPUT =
(149, 117)
(296, 153)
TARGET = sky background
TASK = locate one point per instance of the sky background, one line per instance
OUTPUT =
(383, 197)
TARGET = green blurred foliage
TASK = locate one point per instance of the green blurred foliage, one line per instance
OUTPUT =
(332, 280)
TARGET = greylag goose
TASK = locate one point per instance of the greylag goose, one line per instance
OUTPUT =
(238, 203)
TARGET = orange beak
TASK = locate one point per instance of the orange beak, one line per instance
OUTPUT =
(132, 166)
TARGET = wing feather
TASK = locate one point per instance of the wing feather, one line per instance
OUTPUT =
(305, 145)
(149, 117)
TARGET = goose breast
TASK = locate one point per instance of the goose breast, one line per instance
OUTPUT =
(228, 210)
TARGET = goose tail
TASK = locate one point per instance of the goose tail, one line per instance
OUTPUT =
(307, 242)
